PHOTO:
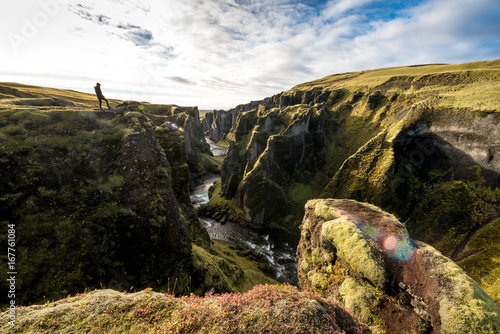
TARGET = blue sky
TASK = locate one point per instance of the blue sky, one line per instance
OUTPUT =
(220, 53)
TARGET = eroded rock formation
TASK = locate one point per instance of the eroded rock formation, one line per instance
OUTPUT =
(420, 142)
(92, 201)
(364, 257)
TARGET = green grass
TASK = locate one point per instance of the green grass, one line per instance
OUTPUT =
(82, 100)
(252, 276)
(470, 85)
(204, 112)
(482, 264)
(209, 162)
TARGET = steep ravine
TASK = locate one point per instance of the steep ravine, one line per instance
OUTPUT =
(278, 256)
(420, 142)
(100, 199)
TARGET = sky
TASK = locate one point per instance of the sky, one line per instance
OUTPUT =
(216, 54)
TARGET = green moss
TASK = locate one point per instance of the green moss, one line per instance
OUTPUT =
(353, 247)
(252, 274)
(323, 210)
(132, 114)
(300, 193)
(464, 305)
(210, 272)
(266, 308)
(222, 269)
(30, 118)
(452, 209)
(219, 204)
(359, 298)
(16, 131)
(319, 281)
(481, 259)
(210, 164)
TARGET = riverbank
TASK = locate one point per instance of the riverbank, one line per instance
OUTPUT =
(278, 255)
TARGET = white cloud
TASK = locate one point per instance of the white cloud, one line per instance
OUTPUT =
(222, 53)
(338, 8)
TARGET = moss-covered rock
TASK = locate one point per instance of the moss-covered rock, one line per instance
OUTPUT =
(463, 305)
(363, 257)
(354, 250)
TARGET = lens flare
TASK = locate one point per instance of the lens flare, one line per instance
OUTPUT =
(390, 243)
(175, 126)
(411, 133)
(405, 250)
(400, 247)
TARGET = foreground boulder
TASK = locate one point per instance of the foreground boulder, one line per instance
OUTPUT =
(363, 257)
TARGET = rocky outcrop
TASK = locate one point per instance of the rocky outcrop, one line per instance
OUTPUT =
(172, 142)
(364, 257)
(222, 123)
(206, 122)
(186, 121)
(219, 123)
(92, 202)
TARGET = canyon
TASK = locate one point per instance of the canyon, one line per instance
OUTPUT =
(387, 182)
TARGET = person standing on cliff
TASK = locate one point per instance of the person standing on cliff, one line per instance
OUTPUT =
(101, 97)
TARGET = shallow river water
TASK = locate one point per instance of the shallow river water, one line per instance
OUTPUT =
(279, 254)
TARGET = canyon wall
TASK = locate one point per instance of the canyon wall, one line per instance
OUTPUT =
(421, 142)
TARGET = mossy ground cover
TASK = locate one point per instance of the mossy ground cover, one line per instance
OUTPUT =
(264, 309)
(210, 163)
(482, 264)
(225, 268)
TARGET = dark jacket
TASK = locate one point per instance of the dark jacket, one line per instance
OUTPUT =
(98, 92)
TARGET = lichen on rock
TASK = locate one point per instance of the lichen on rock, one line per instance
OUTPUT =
(354, 249)
(363, 257)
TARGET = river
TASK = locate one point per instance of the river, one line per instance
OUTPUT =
(278, 254)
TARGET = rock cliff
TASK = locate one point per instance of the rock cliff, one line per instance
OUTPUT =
(364, 257)
(89, 198)
(96, 202)
(419, 141)
(186, 120)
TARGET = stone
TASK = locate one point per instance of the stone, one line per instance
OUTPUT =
(380, 261)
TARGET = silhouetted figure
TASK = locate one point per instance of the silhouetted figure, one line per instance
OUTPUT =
(101, 97)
